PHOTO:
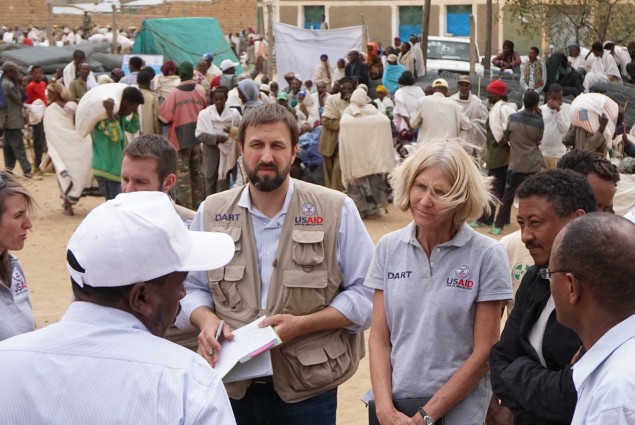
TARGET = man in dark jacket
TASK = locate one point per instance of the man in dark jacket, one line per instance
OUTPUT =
(531, 364)
(356, 68)
(12, 120)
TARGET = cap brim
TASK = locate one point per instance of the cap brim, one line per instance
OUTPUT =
(210, 250)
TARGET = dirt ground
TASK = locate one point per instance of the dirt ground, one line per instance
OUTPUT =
(44, 262)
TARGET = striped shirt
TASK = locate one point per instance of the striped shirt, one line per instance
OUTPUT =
(101, 366)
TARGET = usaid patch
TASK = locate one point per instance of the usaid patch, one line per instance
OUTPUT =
(461, 278)
(309, 216)
(18, 282)
(309, 209)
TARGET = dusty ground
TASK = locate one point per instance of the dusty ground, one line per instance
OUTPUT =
(44, 262)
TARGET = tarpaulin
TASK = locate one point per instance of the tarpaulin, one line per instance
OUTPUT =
(184, 39)
(298, 50)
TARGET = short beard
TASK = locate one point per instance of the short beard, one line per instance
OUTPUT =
(267, 184)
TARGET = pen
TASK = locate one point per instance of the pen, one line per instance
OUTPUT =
(219, 332)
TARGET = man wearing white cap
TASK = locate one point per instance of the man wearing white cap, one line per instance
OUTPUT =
(104, 362)
(438, 116)
(228, 76)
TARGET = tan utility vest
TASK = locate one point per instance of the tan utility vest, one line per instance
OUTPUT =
(305, 279)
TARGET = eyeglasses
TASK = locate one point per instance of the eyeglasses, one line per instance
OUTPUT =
(546, 273)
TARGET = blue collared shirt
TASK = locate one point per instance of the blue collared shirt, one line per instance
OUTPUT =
(354, 253)
(101, 366)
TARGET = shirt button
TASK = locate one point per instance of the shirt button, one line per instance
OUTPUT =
(438, 249)
(431, 264)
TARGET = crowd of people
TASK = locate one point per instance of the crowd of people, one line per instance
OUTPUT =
(577, 70)
(229, 198)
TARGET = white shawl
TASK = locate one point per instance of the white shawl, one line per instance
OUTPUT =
(70, 73)
(406, 99)
(365, 140)
(71, 155)
(312, 109)
(477, 113)
(499, 118)
(210, 122)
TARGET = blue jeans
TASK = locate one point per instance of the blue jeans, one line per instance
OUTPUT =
(109, 188)
(262, 406)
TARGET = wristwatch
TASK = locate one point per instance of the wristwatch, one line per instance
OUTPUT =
(427, 419)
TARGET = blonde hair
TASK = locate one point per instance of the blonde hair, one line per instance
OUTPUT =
(11, 187)
(470, 194)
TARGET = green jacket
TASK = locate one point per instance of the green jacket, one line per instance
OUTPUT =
(109, 142)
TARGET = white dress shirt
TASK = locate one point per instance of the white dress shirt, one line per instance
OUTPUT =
(354, 254)
(101, 366)
(605, 379)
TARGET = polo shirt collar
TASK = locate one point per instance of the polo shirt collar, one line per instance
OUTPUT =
(602, 349)
(461, 237)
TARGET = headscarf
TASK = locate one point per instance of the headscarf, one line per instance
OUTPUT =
(360, 103)
(59, 89)
(374, 50)
(251, 91)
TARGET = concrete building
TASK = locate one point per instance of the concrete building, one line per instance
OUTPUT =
(386, 19)
(232, 15)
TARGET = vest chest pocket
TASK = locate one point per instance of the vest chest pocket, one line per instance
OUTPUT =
(308, 247)
(318, 362)
(233, 231)
(305, 291)
(222, 282)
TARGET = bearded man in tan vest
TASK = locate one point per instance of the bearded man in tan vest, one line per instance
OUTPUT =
(301, 255)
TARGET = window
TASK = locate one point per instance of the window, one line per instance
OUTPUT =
(458, 20)
(410, 21)
(313, 17)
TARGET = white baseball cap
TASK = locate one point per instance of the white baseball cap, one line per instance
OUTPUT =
(138, 237)
(226, 64)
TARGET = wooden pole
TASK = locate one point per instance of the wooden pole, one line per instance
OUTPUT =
(473, 57)
(364, 35)
(115, 32)
(488, 38)
(49, 26)
(270, 40)
(425, 32)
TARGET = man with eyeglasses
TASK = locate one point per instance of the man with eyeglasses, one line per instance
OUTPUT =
(531, 364)
(594, 294)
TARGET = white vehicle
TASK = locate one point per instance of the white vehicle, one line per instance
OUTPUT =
(451, 54)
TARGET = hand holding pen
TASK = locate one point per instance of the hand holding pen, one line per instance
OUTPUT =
(219, 334)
